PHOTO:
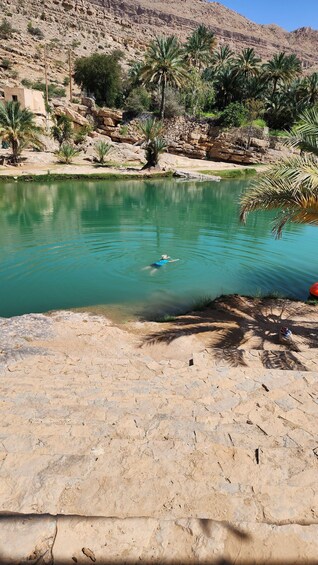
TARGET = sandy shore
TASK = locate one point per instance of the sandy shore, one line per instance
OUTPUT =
(39, 163)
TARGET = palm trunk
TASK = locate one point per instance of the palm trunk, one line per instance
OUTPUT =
(163, 98)
(15, 150)
(274, 86)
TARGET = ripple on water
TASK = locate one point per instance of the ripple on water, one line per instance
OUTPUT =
(94, 244)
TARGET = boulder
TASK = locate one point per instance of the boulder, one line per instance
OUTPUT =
(109, 122)
(76, 117)
(115, 115)
(88, 102)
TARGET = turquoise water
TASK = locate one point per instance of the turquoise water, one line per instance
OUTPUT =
(74, 244)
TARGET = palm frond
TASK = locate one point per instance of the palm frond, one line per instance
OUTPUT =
(307, 214)
(304, 135)
(286, 185)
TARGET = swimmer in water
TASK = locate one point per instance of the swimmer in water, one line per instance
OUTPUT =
(163, 261)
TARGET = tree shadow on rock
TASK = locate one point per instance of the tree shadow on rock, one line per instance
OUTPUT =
(232, 324)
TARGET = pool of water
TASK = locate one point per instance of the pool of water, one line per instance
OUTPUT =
(74, 243)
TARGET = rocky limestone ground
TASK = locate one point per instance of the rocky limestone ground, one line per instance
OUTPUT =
(189, 441)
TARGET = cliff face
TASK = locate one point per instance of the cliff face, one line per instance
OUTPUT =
(102, 25)
(181, 16)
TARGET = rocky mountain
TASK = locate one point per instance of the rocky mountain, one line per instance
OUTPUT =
(85, 26)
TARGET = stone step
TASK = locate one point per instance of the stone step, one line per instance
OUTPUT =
(74, 539)
(208, 360)
(51, 436)
(130, 478)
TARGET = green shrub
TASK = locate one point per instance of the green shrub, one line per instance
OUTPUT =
(5, 64)
(102, 150)
(55, 43)
(55, 91)
(233, 116)
(67, 153)
(62, 129)
(35, 31)
(14, 75)
(278, 133)
(259, 123)
(26, 82)
(138, 101)
(123, 130)
(81, 134)
(6, 29)
(173, 106)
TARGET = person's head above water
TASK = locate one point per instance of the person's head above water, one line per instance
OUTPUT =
(165, 257)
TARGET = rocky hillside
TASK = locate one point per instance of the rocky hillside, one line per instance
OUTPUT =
(86, 26)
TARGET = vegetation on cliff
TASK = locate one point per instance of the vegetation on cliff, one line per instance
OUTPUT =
(200, 78)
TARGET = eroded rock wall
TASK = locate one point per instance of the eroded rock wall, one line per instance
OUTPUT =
(198, 139)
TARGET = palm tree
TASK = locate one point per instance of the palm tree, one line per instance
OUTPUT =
(102, 150)
(228, 85)
(165, 65)
(222, 58)
(285, 106)
(134, 72)
(154, 144)
(247, 63)
(292, 184)
(62, 129)
(282, 68)
(255, 87)
(150, 129)
(67, 153)
(311, 85)
(18, 128)
(199, 46)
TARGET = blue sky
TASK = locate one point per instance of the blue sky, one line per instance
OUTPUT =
(289, 14)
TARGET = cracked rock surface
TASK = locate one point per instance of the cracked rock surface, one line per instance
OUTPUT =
(112, 441)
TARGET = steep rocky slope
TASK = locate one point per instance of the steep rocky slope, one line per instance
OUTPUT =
(98, 25)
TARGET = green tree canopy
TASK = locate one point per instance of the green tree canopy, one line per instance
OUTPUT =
(101, 76)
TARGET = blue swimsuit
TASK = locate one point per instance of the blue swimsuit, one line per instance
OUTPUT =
(159, 264)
